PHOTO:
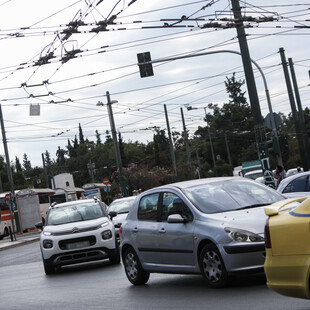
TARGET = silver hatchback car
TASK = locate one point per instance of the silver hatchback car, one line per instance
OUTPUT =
(210, 226)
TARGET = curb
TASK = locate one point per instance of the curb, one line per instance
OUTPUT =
(14, 245)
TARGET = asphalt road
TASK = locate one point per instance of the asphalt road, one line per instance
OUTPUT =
(24, 285)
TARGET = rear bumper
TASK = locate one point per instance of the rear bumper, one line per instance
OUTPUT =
(288, 275)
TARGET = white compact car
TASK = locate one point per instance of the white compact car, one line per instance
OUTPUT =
(76, 232)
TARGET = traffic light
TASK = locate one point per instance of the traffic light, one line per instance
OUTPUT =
(146, 69)
(283, 144)
(273, 145)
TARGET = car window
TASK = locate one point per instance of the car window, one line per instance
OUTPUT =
(147, 209)
(75, 213)
(173, 204)
(231, 195)
(297, 185)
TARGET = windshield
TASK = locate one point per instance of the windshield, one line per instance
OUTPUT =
(121, 206)
(231, 195)
(74, 213)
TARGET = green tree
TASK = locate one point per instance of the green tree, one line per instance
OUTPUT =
(26, 162)
(18, 165)
(81, 136)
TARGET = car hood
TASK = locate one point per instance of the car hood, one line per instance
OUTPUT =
(252, 220)
(80, 225)
(120, 218)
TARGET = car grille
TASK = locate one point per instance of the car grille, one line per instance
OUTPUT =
(77, 243)
(75, 230)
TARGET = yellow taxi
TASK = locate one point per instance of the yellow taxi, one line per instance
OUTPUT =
(287, 241)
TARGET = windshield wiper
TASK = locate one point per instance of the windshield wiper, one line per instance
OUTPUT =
(254, 206)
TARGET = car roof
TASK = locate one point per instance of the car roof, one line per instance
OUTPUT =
(74, 202)
(197, 182)
(291, 178)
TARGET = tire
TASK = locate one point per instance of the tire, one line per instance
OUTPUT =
(48, 267)
(133, 269)
(115, 259)
(212, 266)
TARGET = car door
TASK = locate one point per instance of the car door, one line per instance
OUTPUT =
(176, 242)
(145, 229)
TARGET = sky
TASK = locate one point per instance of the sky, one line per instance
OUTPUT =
(62, 57)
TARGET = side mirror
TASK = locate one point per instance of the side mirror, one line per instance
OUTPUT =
(175, 218)
(39, 225)
(112, 214)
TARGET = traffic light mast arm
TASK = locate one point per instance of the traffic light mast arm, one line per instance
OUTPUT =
(146, 69)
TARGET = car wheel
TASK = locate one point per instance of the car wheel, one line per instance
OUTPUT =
(48, 267)
(212, 266)
(134, 271)
(115, 258)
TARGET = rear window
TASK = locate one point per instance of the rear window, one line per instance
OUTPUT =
(230, 195)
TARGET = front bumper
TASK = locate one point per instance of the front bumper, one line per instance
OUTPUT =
(288, 275)
(243, 257)
(81, 256)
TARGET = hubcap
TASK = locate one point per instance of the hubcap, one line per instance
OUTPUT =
(131, 266)
(212, 266)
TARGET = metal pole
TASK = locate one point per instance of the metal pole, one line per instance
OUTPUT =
(171, 147)
(253, 107)
(294, 111)
(228, 154)
(9, 171)
(300, 112)
(45, 172)
(211, 144)
(116, 146)
(198, 160)
(250, 81)
(189, 161)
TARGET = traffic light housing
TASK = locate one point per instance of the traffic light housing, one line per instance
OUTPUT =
(283, 144)
(273, 145)
(146, 69)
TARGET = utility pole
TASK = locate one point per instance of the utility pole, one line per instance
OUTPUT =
(302, 123)
(91, 166)
(189, 161)
(198, 161)
(228, 154)
(211, 144)
(116, 146)
(171, 146)
(9, 171)
(294, 111)
(250, 81)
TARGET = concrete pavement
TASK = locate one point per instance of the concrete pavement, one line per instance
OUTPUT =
(21, 239)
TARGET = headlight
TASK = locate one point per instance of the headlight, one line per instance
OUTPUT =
(47, 244)
(47, 233)
(107, 234)
(103, 224)
(240, 235)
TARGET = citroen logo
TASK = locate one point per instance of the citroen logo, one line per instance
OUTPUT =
(75, 230)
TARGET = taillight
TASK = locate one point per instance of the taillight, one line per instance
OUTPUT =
(267, 235)
(120, 231)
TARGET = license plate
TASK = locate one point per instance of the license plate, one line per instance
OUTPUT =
(77, 245)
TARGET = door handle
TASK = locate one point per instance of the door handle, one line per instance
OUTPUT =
(162, 230)
(135, 229)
